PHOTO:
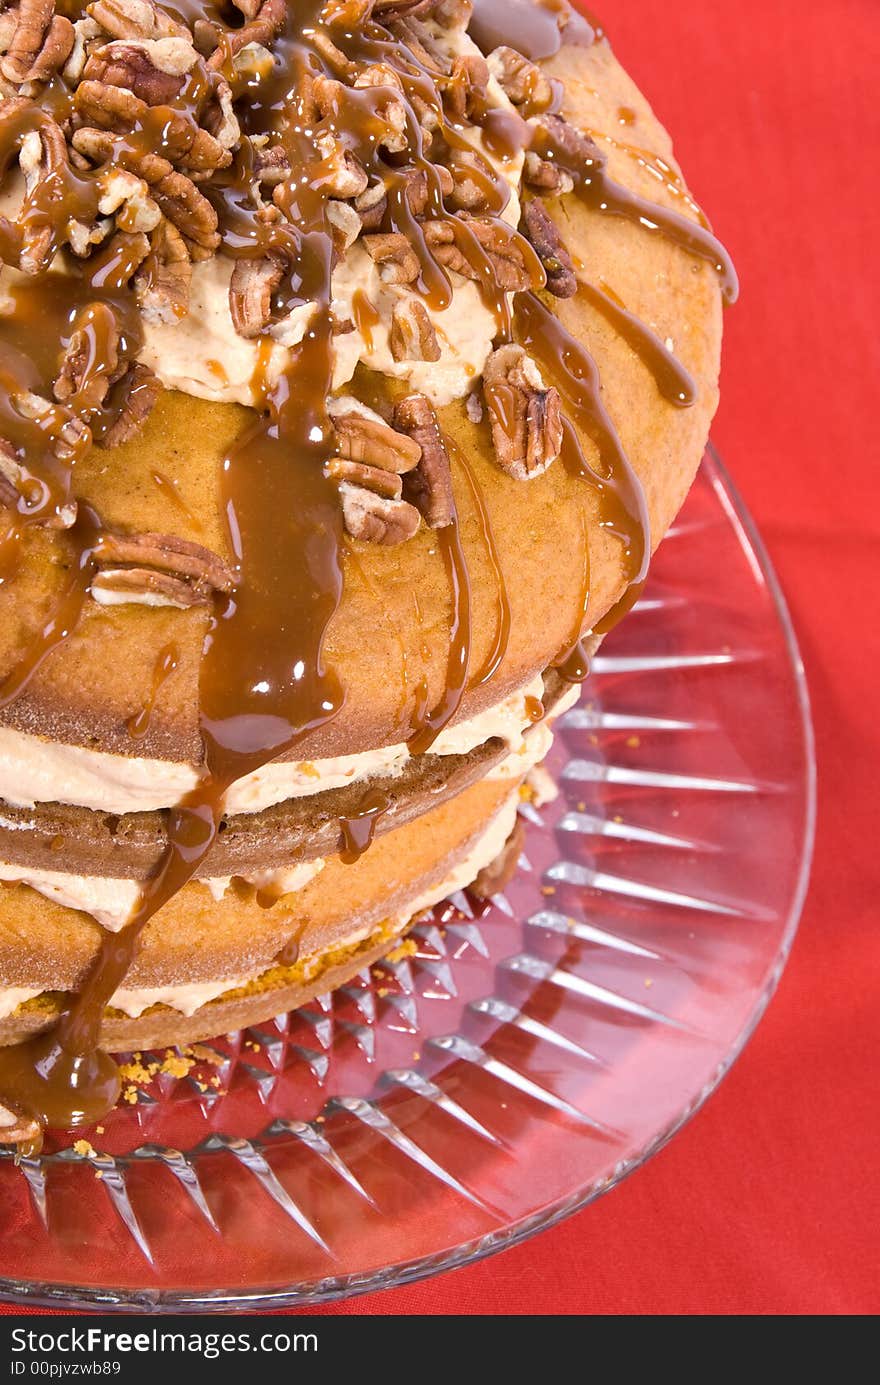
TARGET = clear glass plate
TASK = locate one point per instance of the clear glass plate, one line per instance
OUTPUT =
(533, 1051)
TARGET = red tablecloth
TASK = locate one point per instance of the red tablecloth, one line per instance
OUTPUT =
(769, 1201)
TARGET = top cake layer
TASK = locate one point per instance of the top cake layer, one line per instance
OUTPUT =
(308, 214)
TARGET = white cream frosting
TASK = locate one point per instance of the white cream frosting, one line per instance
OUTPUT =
(35, 770)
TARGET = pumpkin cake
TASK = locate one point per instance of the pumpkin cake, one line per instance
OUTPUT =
(355, 356)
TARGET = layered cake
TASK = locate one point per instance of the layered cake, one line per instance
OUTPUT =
(355, 355)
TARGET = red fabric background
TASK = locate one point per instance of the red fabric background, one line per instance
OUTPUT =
(769, 1201)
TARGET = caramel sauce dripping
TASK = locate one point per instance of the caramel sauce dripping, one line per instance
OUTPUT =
(599, 191)
(359, 828)
(503, 617)
(674, 382)
(166, 663)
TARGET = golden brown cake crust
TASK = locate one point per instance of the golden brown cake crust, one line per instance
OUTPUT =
(395, 608)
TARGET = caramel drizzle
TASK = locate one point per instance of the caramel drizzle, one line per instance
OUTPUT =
(503, 617)
(674, 382)
(264, 683)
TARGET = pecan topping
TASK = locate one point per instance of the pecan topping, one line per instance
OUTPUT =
(545, 176)
(143, 586)
(418, 189)
(523, 82)
(163, 279)
(502, 247)
(371, 206)
(579, 149)
(466, 87)
(412, 336)
(14, 486)
(90, 360)
(265, 25)
(165, 556)
(495, 877)
(128, 405)
(543, 235)
(526, 417)
(373, 478)
(369, 440)
(429, 486)
(375, 518)
(43, 156)
(250, 292)
(395, 257)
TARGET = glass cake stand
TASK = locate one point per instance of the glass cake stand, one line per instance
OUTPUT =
(527, 1054)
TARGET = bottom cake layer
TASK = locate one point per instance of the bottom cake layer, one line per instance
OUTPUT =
(319, 954)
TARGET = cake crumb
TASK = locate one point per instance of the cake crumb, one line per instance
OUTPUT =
(634, 742)
(548, 889)
(99, 1130)
(175, 1065)
(84, 1148)
(408, 948)
(206, 1055)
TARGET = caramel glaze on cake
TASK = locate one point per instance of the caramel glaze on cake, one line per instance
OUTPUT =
(315, 563)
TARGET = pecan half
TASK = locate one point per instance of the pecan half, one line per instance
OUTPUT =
(127, 407)
(266, 25)
(418, 189)
(372, 205)
(375, 518)
(545, 176)
(16, 1129)
(502, 246)
(250, 292)
(522, 81)
(90, 361)
(41, 43)
(547, 242)
(466, 87)
(576, 149)
(429, 486)
(526, 417)
(412, 336)
(369, 440)
(143, 586)
(43, 155)
(135, 19)
(372, 478)
(151, 69)
(394, 257)
(163, 280)
(166, 555)
(14, 485)
(492, 879)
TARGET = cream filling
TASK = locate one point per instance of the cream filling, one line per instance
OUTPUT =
(111, 900)
(35, 770)
(190, 996)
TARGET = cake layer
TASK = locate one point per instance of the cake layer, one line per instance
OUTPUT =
(389, 639)
(196, 948)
